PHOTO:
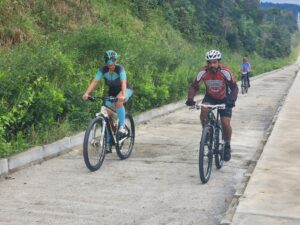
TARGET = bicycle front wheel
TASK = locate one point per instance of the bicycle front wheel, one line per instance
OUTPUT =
(243, 85)
(219, 147)
(125, 144)
(206, 154)
(94, 144)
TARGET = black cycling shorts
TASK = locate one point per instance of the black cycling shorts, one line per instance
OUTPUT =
(227, 112)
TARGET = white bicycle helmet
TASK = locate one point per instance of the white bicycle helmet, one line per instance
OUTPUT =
(213, 54)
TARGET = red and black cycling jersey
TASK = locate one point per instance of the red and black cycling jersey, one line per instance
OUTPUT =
(219, 85)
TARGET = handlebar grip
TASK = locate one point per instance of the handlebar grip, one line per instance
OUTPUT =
(91, 98)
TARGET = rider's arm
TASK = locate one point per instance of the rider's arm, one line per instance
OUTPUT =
(234, 90)
(123, 82)
(240, 69)
(90, 88)
(92, 85)
(231, 84)
(194, 87)
(123, 88)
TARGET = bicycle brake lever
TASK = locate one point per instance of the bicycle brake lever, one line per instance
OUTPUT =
(91, 98)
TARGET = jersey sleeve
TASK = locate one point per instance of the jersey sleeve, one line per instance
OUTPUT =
(123, 74)
(194, 87)
(98, 75)
(234, 90)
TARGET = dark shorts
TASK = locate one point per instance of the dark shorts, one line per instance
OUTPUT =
(227, 112)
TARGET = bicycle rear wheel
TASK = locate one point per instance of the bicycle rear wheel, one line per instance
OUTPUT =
(124, 145)
(219, 147)
(94, 144)
(205, 154)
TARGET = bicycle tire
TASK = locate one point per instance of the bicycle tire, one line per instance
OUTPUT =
(243, 85)
(205, 154)
(246, 86)
(124, 147)
(219, 147)
(94, 146)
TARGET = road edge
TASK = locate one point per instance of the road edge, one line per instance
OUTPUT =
(228, 216)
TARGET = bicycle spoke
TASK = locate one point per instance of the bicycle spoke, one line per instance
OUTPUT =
(125, 145)
(205, 154)
(93, 145)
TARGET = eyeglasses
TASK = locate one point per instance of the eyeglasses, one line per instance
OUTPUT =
(212, 62)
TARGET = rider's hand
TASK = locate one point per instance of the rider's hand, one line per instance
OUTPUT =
(190, 102)
(85, 97)
(121, 98)
(230, 103)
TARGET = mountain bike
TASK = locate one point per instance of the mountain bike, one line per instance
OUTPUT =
(211, 143)
(244, 83)
(95, 138)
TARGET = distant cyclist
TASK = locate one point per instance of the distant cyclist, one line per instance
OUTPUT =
(115, 78)
(220, 88)
(246, 69)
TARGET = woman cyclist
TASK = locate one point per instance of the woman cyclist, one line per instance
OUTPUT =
(115, 78)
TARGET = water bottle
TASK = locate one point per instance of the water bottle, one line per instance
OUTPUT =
(111, 123)
(115, 117)
(115, 120)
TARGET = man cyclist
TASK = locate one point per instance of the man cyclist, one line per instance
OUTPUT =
(246, 69)
(115, 78)
(221, 88)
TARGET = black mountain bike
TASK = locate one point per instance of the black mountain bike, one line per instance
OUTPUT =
(244, 83)
(94, 144)
(211, 143)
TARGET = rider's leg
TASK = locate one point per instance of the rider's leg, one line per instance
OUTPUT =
(227, 137)
(121, 109)
(121, 113)
(203, 114)
(226, 128)
(227, 131)
(248, 75)
(111, 105)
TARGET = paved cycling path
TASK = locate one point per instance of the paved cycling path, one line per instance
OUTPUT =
(158, 184)
(272, 195)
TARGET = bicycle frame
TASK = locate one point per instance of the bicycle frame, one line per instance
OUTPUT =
(243, 77)
(210, 142)
(244, 83)
(212, 119)
(110, 126)
(108, 114)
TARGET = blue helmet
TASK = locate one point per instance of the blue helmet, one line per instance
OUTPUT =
(110, 56)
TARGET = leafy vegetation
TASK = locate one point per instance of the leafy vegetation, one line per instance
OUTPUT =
(50, 51)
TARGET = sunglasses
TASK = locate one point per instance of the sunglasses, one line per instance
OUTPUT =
(110, 61)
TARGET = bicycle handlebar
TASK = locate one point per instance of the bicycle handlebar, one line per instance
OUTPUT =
(219, 106)
(110, 98)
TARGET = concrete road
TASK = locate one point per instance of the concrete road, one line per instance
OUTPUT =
(272, 194)
(158, 184)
